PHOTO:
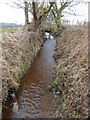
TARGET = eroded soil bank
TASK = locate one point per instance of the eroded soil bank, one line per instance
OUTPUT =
(71, 77)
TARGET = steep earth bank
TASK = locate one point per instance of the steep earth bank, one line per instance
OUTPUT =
(19, 48)
(70, 85)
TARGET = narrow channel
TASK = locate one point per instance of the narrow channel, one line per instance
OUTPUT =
(33, 97)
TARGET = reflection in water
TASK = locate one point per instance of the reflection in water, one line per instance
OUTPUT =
(33, 96)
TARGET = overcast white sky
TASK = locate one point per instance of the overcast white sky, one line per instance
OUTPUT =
(12, 15)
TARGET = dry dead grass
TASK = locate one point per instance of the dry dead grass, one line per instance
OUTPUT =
(72, 66)
(19, 48)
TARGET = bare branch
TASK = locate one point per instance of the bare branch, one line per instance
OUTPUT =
(19, 4)
(47, 11)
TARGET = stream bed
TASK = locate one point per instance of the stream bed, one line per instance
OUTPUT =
(33, 97)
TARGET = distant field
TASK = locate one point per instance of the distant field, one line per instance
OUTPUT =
(6, 29)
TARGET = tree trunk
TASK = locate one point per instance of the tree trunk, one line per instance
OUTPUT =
(26, 12)
(36, 22)
(55, 19)
(34, 11)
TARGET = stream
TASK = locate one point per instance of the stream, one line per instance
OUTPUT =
(33, 97)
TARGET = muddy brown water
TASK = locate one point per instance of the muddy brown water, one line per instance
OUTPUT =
(33, 97)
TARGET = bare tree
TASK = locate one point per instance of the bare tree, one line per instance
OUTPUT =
(38, 17)
(58, 11)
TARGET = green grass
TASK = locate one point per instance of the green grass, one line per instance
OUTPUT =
(75, 115)
(9, 28)
(25, 66)
(52, 113)
(55, 96)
